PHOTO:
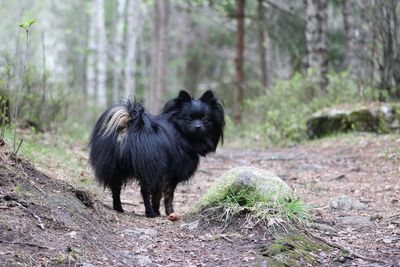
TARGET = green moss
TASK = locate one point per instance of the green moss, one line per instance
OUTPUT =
(294, 250)
(363, 121)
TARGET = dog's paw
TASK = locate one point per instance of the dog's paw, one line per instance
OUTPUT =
(151, 214)
(120, 210)
(174, 217)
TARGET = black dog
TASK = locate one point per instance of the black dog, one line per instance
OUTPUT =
(160, 151)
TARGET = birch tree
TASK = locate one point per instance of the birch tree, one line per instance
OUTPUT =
(118, 48)
(101, 55)
(134, 26)
(91, 57)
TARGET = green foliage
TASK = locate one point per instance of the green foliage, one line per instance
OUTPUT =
(278, 117)
(42, 105)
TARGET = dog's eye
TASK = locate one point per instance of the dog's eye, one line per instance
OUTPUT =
(189, 120)
(205, 120)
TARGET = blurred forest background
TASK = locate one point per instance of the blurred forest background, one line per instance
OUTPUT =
(273, 62)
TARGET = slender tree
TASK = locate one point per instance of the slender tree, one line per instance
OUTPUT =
(159, 55)
(118, 48)
(101, 55)
(316, 38)
(262, 43)
(240, 32)
(186, 24)
(134, 26)
(91, 57)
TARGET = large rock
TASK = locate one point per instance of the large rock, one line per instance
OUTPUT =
(246, 184)
(365, 117)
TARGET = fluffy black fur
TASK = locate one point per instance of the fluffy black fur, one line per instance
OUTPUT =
(158, 152)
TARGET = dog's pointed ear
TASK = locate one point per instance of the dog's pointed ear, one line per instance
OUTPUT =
(183, 95)
(207, 96)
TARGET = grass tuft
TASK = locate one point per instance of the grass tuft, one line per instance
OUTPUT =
(268, 201)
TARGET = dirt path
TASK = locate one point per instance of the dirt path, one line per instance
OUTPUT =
(364, 167)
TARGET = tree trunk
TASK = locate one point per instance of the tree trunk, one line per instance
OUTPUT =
(262, 44)
(118, 39)
(156, 97)
(134, 7)
(91, 58)
(316, 38)
(101, 55)
(238, 94)
(352, 31)
(388, 26)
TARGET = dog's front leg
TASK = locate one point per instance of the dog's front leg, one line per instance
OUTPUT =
(169, 198)
(155, 201)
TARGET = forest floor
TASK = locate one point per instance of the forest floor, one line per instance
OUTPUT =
(45, 221)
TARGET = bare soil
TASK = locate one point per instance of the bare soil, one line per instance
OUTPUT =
(46, 221)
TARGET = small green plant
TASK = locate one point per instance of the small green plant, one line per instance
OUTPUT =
(26, 26)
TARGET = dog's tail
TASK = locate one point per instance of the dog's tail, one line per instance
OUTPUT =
(108, 141)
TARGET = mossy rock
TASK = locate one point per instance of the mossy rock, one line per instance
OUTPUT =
(253, 190)
(294, 249)
(373, 117)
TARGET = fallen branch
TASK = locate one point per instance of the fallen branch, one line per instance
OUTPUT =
(343, 248)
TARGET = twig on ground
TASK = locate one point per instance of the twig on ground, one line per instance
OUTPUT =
(40, 224)
(25, 244)
(226, 238)
(38, 188)
(129, 203)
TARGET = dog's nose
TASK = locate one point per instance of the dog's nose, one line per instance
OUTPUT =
(198, 127)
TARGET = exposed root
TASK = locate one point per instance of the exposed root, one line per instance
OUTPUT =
(344, 248)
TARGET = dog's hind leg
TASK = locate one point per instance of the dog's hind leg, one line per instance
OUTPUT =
(155, 201)
(147, 205)
(169, 198)
(116, 195)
